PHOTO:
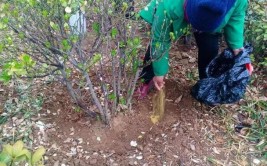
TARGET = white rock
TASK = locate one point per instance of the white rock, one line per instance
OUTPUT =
(139, 157)
(133, 143)
(80, 140)
(256, 161)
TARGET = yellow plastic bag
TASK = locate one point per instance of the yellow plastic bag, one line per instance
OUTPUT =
(158, 102)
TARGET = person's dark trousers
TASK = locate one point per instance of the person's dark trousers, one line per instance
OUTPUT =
(208, 48)
(147, 73)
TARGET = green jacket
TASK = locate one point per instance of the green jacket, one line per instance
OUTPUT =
(166, 18)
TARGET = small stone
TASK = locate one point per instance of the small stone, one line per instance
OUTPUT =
(256, 161)
(133, 143)
(139, 157)
(192, 147)
(185, 55)
(175, 156)
(80, 140)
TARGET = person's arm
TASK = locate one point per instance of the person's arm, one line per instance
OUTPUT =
(234, 29)
(156, 15)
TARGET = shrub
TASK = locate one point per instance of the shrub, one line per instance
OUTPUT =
(98, 66)
(256, 28)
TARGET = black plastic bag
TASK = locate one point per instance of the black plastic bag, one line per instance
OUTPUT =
(227, 78)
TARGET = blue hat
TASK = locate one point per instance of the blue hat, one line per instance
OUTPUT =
(207, 15)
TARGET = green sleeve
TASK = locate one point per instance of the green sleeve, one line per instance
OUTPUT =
(147, 13)
(160, 57)
(161, 27)
(234, 29)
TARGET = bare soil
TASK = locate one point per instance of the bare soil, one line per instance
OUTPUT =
(189, 133)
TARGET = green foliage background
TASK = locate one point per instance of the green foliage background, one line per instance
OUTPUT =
(256, 28)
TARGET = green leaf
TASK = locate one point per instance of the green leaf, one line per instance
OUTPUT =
(17, 148)
(3, 119)
(96, 58)
(23, 154)
(21, 158)
(9, 40)
(16, 68)
(2, 25)
(5, 158)
(172, 36)
(47, 44)
(21, 35)
(4, 77)
(8, 149)
(32, 3)
(114, 32)
(26, 59)
(96, 27)
(112, 96)
(5, 20)
(45, 13)
(1, 47)
(124, 6)
(113, 52)
(136, 41)
(38, 154)
(65, 44)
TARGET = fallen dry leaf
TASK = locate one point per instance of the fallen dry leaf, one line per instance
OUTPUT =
(215, 150)
(178, 99)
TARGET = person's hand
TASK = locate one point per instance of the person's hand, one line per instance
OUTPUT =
(237, 51)
(159, 82)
